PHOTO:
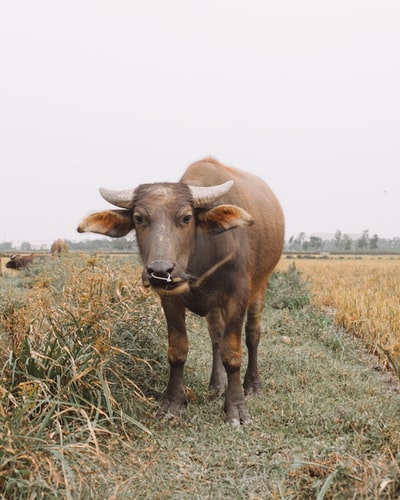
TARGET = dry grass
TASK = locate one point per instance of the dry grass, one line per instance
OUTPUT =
(362, 294)
(83, 360)
(66, 377)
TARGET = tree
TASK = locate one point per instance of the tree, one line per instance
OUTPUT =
(373, 242)
(315, 243)
(26, 246)
(338, 240)
(347, 243)
(6, 246)
(363, 242)
(298, 243)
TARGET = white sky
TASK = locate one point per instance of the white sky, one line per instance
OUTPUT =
(305, 94)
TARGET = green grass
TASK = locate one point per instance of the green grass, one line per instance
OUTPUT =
(83, 373)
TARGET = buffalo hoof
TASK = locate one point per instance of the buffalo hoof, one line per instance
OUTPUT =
(217, 390)
(251, 385)
(171, 408)
(237, 414)
(218, 382)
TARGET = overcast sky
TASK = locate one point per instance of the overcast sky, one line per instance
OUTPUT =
(305, 94)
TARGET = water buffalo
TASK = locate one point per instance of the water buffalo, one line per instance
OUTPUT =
(20, 261)
(58, 247)
(209, 243)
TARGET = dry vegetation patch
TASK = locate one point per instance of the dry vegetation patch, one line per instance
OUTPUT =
(363, 294)
(68, 384)
(83, 365)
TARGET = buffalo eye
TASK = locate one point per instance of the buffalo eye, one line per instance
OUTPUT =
(187, 218)
(138, 219)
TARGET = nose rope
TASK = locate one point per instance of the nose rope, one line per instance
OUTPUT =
(168, 279)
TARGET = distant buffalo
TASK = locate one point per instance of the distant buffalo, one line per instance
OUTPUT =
(59, 246)
(21, 261)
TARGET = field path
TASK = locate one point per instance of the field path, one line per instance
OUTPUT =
(327, 418)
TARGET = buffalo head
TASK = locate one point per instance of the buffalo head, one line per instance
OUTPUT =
(165, 217)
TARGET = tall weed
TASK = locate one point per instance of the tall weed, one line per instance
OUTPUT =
(67, 384)
(288, 290)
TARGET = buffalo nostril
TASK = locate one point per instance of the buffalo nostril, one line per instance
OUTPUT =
(160, 270)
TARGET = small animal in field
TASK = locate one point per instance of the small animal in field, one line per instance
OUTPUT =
(59, 247)
(18, 261)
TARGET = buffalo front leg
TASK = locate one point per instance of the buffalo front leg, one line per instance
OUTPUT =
(252, 382)
(175, 395)
(216, 328)
(231, 351)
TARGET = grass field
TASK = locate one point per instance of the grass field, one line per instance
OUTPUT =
(363, 295)
(83, 366)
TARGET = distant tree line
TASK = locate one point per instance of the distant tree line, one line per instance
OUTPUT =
(338, 243)
(343, 243)
(104, 244)
(101, 244)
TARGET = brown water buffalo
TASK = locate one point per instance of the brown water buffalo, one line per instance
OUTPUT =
(209, 243)
(59, 247)
(20, 261)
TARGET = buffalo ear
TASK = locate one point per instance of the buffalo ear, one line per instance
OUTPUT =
(115, 223)
(223, 218)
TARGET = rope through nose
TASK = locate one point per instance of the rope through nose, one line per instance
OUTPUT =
(168, 279)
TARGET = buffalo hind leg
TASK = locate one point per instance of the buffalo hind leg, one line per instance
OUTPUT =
(252, 382)
(231, 352)
(175, 394)
(216, 326)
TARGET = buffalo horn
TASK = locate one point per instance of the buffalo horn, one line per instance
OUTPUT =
(202, 195)
(122, 198)
(205, 195)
